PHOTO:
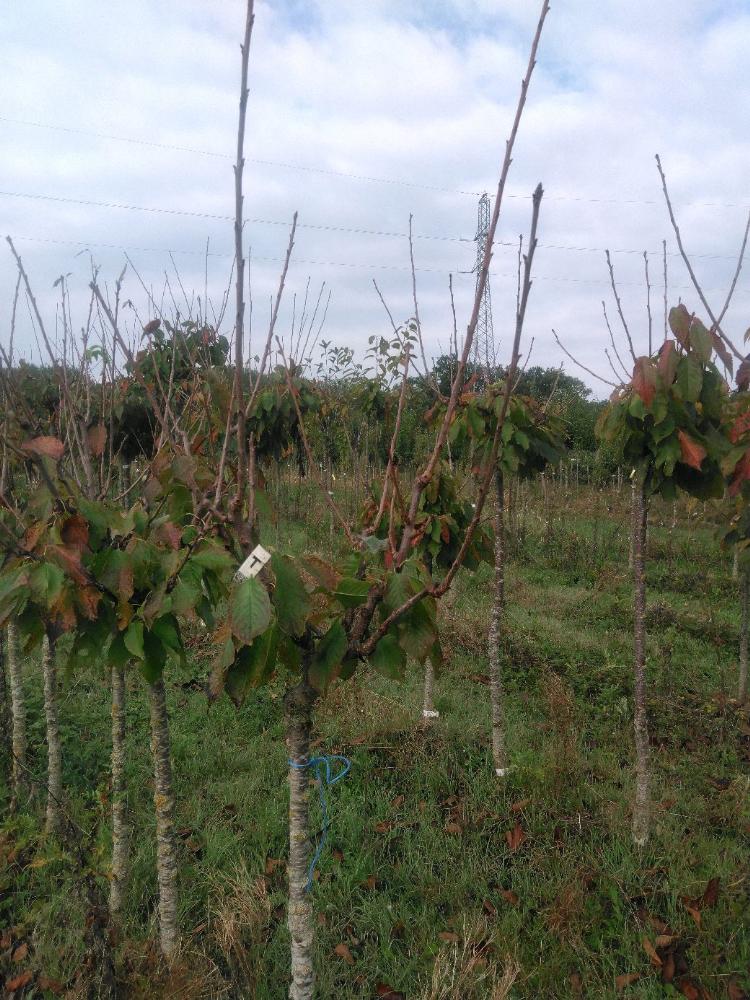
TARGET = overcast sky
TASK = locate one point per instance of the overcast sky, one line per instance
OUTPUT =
(416, 95)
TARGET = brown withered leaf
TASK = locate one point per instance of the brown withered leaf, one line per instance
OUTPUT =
(688, 989)
(49, 447)
(68, 560)
(694, 912)
(576, 984)
(272, 864)
(664, 940)
(510, 897)
(625, 980)
(370, 883)
(398, 802)
(644, 380)
(337, 854)
(152, 326)
(386, 992)
(385, 826)
(711, 892)
(21, 952)
(170, 534)
(18, 982)
(519, 806)
(51, 985)
(454, 828)
(489, 908)
(450, 936)
(515, 837)
(668, 968)
(97, 438)
(651, 952)
(32, 536)
(735, 991)
(342, 950)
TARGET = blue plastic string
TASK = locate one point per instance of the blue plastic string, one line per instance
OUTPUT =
(322, 768)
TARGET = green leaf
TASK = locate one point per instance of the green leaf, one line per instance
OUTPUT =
(214, 557)
(133, 639)
(155, 656)
(327, 657)
(289, 596)
(700, 341)
(689, 379)
(252, 666)
(389, 658)
(118, 655)
(351, 592)
(249, 610)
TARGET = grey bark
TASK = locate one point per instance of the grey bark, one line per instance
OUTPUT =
(499, 756)
(298, 706)
(119, 795)
(642, 805)
(54, 816)
(428, 704)
(6, 747)
(744, 601)
(166, 849)
(18, 713)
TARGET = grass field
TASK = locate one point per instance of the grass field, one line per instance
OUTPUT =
(438, 880)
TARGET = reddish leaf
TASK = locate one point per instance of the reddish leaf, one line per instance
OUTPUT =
(398, 802)
(337, 854)
(694, 912)
(50, 447)
(515, 837)
(89, 598)
(152, 326)
(679, 322)
(385, 826)
(70, 561)
(97, 438)
(489, 908)
(170, 534)
(664, 940)
(721, 350)
(692, 452)
(576, 984)
(689, 989)
(740, 475)
(651, 952)
(510, 897)
(644, 380)
(454, 828)
(75, 532)
(32, 536)
(342, 950)
(370, 883)
(735, 991)
(711, 892)
(667, 969)
(519, 806)
(388, 993)
(625, 980)
(21, 952)
(667, 364)
(743, 374)
(272, 864)
(18, 982)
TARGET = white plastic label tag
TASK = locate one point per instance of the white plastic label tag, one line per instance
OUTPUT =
(430, 713)
(254, 563)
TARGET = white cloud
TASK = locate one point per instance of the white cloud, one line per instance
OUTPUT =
(413, 90)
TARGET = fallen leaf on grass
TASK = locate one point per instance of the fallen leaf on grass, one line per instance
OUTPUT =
(370, 882)
(625, 980)
(689, 989)
(664, 940)
(694, 912)
(519, 806)
(388, 993)
(735, 991)
(576, 984)
(515, 837)
(450, 936)
(342, 950)
(489, 908)
(18, 982)
(272, 864)
(398, 802)
(510, 897)
(651, 952)
(337, 854)
(454, 828)
(385, 826)
(668, 968)
(51, 985)
(21, 952)
(710, 893)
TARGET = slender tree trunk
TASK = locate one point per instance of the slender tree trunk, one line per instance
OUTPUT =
(642, 806)
(6, 747)
(54, 747)
(18, 712)
(745, 601)
(298, 707)
(119, 795)
(633, 523)
(166, 850)
(429, 711)
(736, 565)
(499, 757)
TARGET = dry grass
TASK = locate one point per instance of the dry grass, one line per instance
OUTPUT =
(469, 969)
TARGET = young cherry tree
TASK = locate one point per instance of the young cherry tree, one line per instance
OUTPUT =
(531, 439)
(668, 424)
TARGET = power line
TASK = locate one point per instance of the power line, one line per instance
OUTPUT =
(323, 227)
(356, 265)
(395, 181)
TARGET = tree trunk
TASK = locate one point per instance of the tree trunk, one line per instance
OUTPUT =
(18, 712)
(429, 711)
(298, 707)
(496, 624)
(119, 795)
(54, 747)
(166, 851)
(642, 806)
(6, 749)
(745, 601)
(633, 523)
